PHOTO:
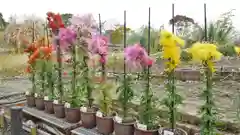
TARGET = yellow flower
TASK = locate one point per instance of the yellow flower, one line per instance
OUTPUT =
(205, 53)
(171, 49)
(237, 50)
(170, 40)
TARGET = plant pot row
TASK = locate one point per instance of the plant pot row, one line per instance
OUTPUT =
(72, 115)
(91, 118)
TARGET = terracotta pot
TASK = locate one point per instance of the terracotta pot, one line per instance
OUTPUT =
(105, 125)
(123, 128)
(145, 132)
(177, 131)
(72, 115)
(39, 103)
(49, 106)
(89, 118)
(59, 110)
(30, 100)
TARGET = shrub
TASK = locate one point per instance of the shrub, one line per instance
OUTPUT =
(227, 50)
(185, 56)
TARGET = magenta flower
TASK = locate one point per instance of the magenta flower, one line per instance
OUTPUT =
(137, 57)
(99, 45)
(67, 37)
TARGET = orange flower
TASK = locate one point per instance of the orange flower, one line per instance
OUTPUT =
(31, 48)
(28, 69)
(46, 51)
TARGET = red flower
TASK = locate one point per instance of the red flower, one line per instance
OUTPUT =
(64, 73)
(54, 21)
(150, 62)
(59, 21)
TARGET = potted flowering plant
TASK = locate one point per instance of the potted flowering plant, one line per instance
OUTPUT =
(51, 78)
(75, 99)
(104, 116)
(31, 69)
(206, 54)
(125, 124)
(86, 29)
(171, 53)
(138, 59)
(30, 95)
(39, 99)
(39, 57)
(55, 23)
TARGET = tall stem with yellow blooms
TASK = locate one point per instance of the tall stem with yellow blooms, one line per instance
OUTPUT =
(207, 110)
(206, 54)
(171, 54)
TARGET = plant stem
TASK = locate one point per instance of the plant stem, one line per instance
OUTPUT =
(171, 81)
(86, 77)
(208, 97)
(51, 83)
(43, 76)
(147, 98)
(33, 65)
(125, 96)
(33, 79)
(60, 87)
(124, 67)
(74, 72)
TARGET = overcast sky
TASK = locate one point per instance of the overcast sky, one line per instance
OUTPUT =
(137, 10)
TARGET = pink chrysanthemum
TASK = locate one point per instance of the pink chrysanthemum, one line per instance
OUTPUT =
(99, 45)
(67, 37)
(137, 57)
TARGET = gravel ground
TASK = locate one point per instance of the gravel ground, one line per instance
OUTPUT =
(225, 94)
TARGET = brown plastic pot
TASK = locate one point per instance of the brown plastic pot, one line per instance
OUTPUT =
(178, 131)
(30, 100)
(39, 103)
(144, 132)
(59, 110)
(105, 125)
(126, 128)
(72, 115)
(89, 118)
(48, 106)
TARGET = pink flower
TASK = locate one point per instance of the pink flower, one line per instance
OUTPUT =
(137, 57)
(99, 45)
(67, 37)
(102, 59)
(65, 73)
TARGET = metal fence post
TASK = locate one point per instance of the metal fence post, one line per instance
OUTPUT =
(16, 120)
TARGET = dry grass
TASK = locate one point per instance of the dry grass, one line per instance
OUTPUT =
(12, 64)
